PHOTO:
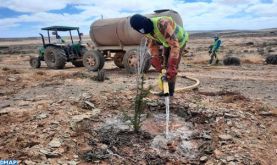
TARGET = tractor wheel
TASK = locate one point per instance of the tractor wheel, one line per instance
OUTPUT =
(231, 61)
(118, 59)
(93, 60)
(130, 61)
(272, 59)
(78, 63)
(55, 58)
(35, 62)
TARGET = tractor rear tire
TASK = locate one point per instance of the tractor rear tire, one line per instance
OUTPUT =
(35, 62)
(231, 61)
(118, 59)
(271, 59)
(93, 60)
(130, 61)
(78, 63)
(55, 58)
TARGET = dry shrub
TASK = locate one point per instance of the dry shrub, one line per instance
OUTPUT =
(233, 98)
(10, 71)
(6, 69)
(252, 59)
(40, 73)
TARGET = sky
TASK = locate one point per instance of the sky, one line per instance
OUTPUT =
(25, 18)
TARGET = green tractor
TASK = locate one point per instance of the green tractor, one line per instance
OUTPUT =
(57, 52)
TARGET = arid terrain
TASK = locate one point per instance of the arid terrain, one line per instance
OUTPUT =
(66, 117)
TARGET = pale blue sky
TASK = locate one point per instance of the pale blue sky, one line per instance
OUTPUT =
(23, 18)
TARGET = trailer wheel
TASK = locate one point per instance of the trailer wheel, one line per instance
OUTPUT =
(93, 60)
(118, 59)
(130, 61)
(147, 64)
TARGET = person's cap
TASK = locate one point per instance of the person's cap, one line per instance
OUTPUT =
(141, 24)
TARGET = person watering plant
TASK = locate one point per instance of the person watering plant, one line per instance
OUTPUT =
(163, 31)
(213, 49)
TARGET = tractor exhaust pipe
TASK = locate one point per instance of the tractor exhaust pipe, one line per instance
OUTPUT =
(42, 38)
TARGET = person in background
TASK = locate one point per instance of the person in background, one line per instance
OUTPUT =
(163, 31)
(213, 50)
(60, 40)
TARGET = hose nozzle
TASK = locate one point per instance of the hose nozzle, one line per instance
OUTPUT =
(165, 84)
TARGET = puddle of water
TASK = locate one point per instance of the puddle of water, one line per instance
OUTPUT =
(178, 136)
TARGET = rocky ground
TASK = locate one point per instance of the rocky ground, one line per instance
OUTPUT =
(66, 117)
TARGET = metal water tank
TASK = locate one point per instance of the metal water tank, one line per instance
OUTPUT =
(118, 31)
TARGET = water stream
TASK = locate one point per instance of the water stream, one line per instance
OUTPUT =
(166, 101)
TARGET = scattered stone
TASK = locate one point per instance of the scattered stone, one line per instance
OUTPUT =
(42, 116)
(61, 162)
(90, 104)
(23, 104)
(55, 122)
(72, 162)
(12, 79)
(229, 122)
(230, 158)
(237, 133)
(231, 163)
(152, 104)
(228, 115)
(103, 147)
(171, 146)
(191, 105)
(55, 143)
(203, 159)
(218, 154)
(206, 136)
(223, 161)
(86, 96)
(267, 113)
(29, 162)
(225, 137)
(4, 105)
(49, 154)
(78, 118)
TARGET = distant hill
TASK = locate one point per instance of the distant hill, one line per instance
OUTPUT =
(203, 33)
(235, 33)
